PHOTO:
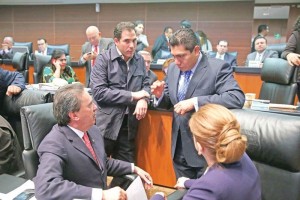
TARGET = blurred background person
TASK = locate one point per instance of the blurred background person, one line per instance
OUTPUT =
(142, 41)
(6, 51)
(205, 44)
(166, 65)
(161, 47)
(263, 31)
(147, 58)
(58, 68)
(222, 48)
(292, 50)
(230, 173)
(42, 47)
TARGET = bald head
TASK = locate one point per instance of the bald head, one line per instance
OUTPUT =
(93, 35)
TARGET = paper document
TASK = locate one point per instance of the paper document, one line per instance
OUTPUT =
(11, 195)
(136, 190)
(284, 106)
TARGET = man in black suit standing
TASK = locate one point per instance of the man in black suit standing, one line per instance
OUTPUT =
(120, 86)
(193, 80)
(96, 44)
(222, 48)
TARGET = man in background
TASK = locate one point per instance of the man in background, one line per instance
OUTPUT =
(42, 47)
(6, 51)
(120, 87)
(161, 48)
(222, 48)
(261, 52)
(193, 80)
(147, 58)
(11, 83)
(96, 44)
(262, 31)
(73, 163)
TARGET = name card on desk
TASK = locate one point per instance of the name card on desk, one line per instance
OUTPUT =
(259, 104)
(253, 63)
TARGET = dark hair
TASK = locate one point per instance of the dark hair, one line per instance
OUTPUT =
(297, 24)
(185, 37)
(223, 41)
(185, 23)
(262, 27)
(67, 99)
(43, 39)
(57, 53)
(137, 22)
(203, 39)
(167, 28)
(259, 37)
(123, 26)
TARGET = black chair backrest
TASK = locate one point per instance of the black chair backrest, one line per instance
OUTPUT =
(19, 62)
(64, 47)
(279, 81)
(27, 44)
(277, 47)
(212, 54)
(37, 121)
(39, 61)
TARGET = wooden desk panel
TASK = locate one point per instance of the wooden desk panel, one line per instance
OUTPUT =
(249, 83)
(153, 147)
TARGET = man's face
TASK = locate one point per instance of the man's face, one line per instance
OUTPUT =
(7, 43)
(169, 33)
(93, 37)
(87, 112)
(184, 59)
(260, 45)
(139, 29)
(127, 43)
(42, 45)
(222, 47)
(147, 59)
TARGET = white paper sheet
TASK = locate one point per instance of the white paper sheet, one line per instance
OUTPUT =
(136, 190)
(9, 196)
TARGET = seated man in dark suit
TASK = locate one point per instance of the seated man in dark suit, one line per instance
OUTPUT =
(161, 45)
(6, 51)
(261, 52)
(147, 58)
(73, 163)
(222, 54)
(11, 83)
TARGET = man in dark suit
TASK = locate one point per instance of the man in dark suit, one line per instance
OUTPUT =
(147, 58)
(222, 54)
(6, 51)
(261, 52)
(193, 80)
(73, 163)
(262, 31)
(121, 89)
(161, 49)
(96, 44)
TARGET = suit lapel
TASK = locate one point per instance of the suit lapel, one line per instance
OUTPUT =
(197, 76)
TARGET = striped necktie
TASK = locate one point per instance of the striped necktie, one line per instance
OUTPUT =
(183, 87)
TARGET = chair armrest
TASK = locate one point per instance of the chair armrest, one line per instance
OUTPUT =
(177, 195)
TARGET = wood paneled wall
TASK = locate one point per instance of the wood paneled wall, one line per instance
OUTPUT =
(67, 23)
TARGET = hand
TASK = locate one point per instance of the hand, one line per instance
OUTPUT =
(12, 90)
(115, 193)
(87, 56)
(140, 109)
(94, 55)
(4, 47)
(146, 178)
(139, 95)
(184, 106)
(180, 183)
(157, 88)
(56, 63)
(293, 59)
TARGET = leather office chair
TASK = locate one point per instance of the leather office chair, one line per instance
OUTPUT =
(37, 122)
(277, 47)
(212, 54)
(39, 61)
(26, 44)
(279, 81)
(19, 63)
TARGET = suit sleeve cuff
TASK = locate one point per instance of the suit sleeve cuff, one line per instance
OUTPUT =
(96, 194)
(195, 101)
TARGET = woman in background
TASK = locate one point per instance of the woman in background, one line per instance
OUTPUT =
(230, 173)
(58, 68)
(204, 42)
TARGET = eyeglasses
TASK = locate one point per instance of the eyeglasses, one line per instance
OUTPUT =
(63, 59)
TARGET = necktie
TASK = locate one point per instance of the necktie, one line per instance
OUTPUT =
(89, 145)
(183, 87)
(96, 52)
(258, 57)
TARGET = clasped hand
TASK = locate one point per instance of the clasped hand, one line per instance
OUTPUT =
(157, 88)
